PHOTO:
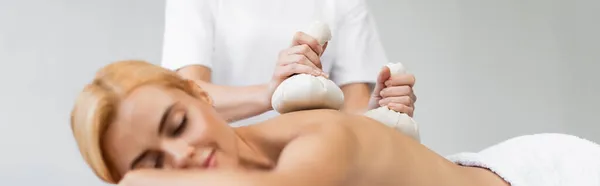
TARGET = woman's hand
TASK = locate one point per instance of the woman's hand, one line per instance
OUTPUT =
(394, 92)
(156, 177)
(303, 57)
(134, 178)
(188, 177)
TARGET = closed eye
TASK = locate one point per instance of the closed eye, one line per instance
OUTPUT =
(179, 130)
(160, 161)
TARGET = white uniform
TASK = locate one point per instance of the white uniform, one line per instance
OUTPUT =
(240, 39)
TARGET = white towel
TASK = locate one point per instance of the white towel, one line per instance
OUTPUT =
(540, 160)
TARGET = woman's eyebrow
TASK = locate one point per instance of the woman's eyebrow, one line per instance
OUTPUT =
(161, 127)
(164, 117)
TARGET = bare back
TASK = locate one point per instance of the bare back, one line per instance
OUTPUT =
(383, 156)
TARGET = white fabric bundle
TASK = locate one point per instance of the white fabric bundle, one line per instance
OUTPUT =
(399, 121)
(304, 91)
(320, 31)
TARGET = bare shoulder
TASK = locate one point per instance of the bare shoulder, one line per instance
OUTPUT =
(319, 144)
(320, 119)
(306, 117)
(285, 127)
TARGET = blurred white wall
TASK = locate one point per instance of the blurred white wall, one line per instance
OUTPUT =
(486, 71)
(48, 50)
(490, 70)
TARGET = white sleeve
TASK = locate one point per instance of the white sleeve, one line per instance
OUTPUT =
(359, 54)
(188, 33)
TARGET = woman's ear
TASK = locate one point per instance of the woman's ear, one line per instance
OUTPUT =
(198, 92)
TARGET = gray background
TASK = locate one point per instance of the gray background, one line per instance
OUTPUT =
(486, 71)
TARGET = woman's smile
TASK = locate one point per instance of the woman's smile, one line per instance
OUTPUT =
(209, 160)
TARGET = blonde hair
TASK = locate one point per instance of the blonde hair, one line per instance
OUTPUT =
(96, 106)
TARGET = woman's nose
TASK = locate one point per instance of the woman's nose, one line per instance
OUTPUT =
(178, 153)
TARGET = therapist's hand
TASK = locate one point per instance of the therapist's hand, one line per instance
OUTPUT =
(394, 92)
(302, 57)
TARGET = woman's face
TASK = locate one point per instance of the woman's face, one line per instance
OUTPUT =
(157, 127)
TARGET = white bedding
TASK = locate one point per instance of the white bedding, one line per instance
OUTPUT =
(540, 160)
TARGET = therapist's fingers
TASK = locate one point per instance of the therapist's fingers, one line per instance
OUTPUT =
(306, 51)
(399, 104)
(408, 110)
(303, 38)
(297, 58)
(398, 91)
(403, 100)
(401, 80)
(295, 68)
(300, 59)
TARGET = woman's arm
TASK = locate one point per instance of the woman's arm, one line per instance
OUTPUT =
(233, 103)
(153, 177)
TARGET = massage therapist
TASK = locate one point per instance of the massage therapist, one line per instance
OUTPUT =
(240, 50)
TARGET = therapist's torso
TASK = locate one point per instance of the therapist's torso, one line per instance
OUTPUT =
(248, 35)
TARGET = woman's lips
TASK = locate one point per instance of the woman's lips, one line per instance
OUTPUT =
(209, 162)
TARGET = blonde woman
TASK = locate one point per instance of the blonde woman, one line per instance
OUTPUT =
(138, 124)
